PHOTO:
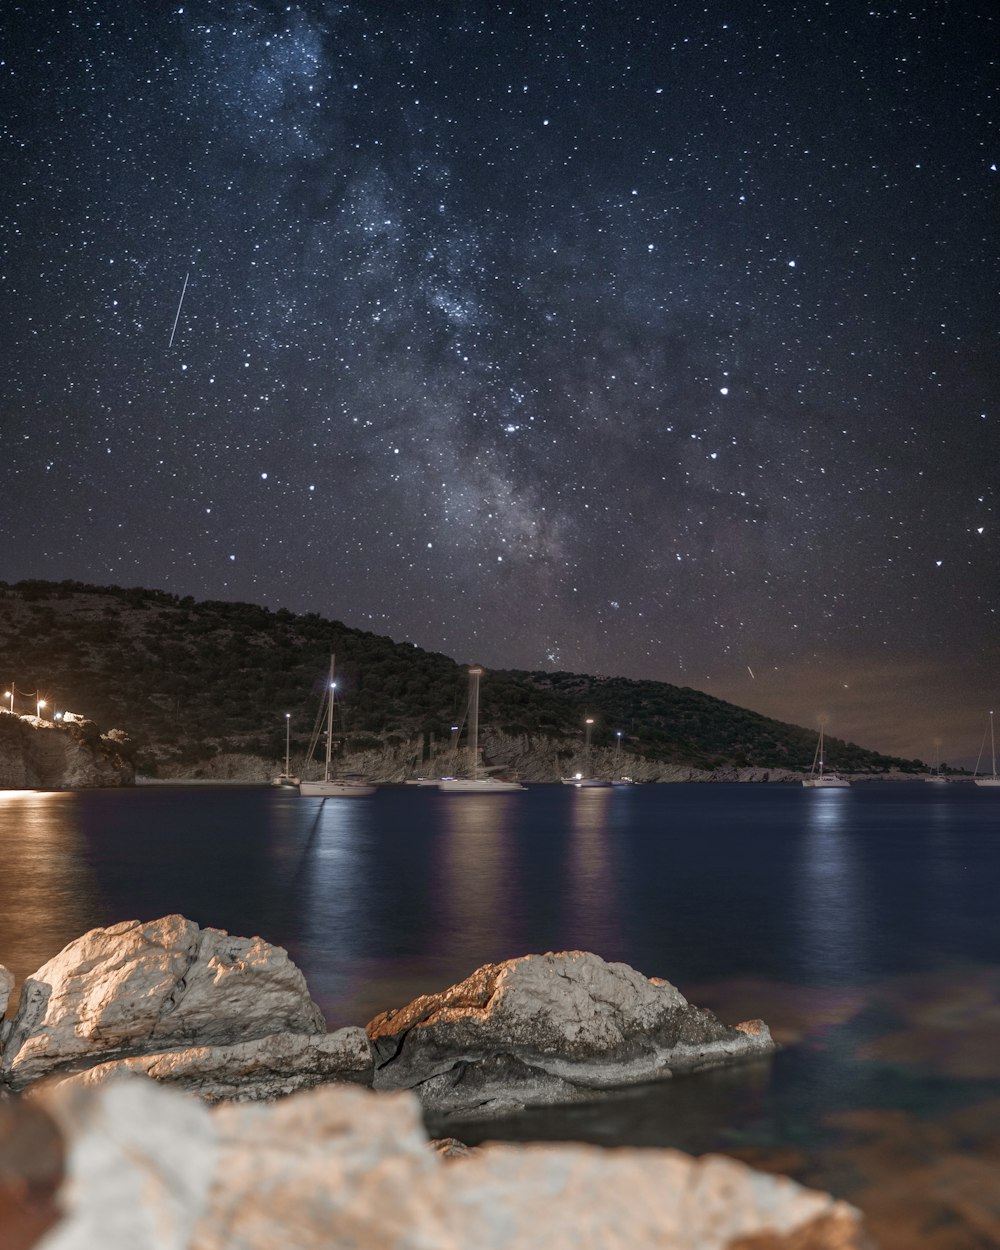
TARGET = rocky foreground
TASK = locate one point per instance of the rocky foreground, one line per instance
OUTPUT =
(231, 1019)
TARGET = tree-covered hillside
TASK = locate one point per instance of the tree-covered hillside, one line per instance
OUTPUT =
(190, 679)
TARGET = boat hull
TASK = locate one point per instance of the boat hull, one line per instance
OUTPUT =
(335, 789)
(586, 783)
(987, 781)
(825, 783)
(478, 785)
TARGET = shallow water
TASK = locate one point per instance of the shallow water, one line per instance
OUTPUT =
(861, 924)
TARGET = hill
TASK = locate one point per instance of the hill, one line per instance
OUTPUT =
(190, 680)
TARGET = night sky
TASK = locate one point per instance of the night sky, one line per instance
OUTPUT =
(647, 339)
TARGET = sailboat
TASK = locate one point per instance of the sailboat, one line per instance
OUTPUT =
(286, 779)
(583, 781)
(619, 778)
(935, 777)
(334, 788)
(992, 780)
(818, 779)
(475, 784)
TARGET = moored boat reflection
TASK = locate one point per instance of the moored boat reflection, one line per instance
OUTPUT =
(472, 881)
(590, 913)
(829, 903)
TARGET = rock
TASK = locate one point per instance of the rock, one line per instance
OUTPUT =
(548, 1028)
(55, 755)
(141, 1162)
(261, 1069)
(136, 989)
(6, 985)
(451, 1148)
(153, 1170)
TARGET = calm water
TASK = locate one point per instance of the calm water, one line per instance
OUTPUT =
(861, 924)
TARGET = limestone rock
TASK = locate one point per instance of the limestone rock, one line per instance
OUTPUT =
(261, 1069)
(548, 1028)
(140, 1165)
(6, 985)
(50, 755)
(341, 1166)
(138, 988)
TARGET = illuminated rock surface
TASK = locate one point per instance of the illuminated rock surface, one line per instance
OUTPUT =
(47, 755)
(135, 989)
(151, 1169)
(263, 1068)
(548, 1028)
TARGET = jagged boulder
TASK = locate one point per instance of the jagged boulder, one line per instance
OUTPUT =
(341, 1166)
(548, 1028)
(135, 989)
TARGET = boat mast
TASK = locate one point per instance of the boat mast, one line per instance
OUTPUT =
(474, 675)
(331, 686)
(993, 749)
(288, 730)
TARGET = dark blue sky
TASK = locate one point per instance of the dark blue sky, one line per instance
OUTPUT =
(647, 339)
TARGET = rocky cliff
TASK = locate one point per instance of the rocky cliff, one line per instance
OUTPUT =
(531, 757)
(40, 754)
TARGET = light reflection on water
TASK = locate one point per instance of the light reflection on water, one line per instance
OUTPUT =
(591, 900)
(828, 898)
(48, 890)
(861, 924)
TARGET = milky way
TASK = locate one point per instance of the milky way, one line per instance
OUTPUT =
(650, 339)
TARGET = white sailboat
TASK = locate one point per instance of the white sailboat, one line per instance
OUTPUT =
(475, 784)
(935, 778)
(286, 779)
(818, 779)
(583, 781)
(334, 788)
(619, 780)
(993, 779)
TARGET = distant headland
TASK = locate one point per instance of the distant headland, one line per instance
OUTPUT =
(208, 689)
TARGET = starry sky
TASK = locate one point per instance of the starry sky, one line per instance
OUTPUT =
(648, 339)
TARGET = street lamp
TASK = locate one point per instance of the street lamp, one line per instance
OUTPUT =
(9, 694)
(39, 705)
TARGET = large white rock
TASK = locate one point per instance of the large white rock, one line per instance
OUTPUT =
(261, 1069)
(548, 1028)
(137, 988)
(340, 1166)
(140, 1165)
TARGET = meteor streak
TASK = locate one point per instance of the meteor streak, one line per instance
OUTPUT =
(179, 303)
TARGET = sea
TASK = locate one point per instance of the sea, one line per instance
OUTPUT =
(863, 925)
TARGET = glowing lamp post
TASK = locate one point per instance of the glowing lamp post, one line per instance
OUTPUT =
(39, 704)
(9, 694)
